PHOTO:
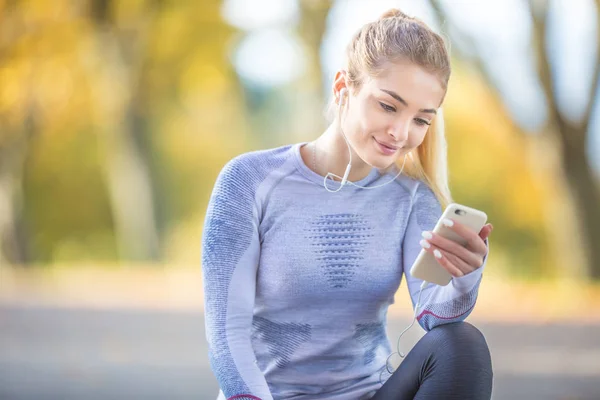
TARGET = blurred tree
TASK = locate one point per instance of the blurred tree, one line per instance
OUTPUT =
(121, 53)
(488, 167)
(14, 143)
(115, 117)
(18, 124)
(562, 135)
(197, 114)
(313, 19)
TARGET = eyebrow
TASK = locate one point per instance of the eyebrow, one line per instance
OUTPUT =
(401, 100)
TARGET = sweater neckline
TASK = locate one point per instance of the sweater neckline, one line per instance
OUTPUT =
(312, 176)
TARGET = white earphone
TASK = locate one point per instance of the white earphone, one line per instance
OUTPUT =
(347, 172)
(344, 179)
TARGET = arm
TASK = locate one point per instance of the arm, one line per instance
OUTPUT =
(439, 304)
(230, 255)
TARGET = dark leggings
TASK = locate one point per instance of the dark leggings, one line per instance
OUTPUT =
(451, 361)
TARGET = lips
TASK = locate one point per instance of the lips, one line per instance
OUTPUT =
(384, 149)
(392, 147)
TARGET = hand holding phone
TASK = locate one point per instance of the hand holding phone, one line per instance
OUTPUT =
(427, 267)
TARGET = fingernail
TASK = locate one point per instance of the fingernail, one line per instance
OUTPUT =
(426, 235)
(425, 243)
(437, 253)
(447, 222)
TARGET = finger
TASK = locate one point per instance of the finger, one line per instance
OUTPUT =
(445, 263)
(474, 241)
(469, 257)
(459, 263)
(486, 231)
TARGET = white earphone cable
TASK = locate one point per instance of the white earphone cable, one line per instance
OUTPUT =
(344, 179)
(354, 184)
(401, 354)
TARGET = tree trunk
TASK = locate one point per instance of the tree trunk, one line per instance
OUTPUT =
(14, 142)
(313, 18)
(579, 176)
(115, 78)
(573, 168)
(560, 219)
(13, 240)
(586, 196)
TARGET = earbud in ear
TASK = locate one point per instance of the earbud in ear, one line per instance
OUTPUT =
(343, 93)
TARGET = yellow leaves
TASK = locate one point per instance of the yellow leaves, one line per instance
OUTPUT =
(13, 91)
(200, 75)
(168, 34)
(524, 199)
(41, 76)
(125, 12)
(36, 12)
(54, 88)
(490, 165)
(487, 148)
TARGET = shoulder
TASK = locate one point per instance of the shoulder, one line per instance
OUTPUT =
(410, 184)
(422, 196)
(247, 170)
(258, 161)
(426, 203)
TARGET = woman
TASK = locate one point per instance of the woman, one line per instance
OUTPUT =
(298, 280)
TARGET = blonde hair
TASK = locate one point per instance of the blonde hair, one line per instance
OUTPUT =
(393, 37)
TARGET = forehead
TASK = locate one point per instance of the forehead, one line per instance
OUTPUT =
(417, 86)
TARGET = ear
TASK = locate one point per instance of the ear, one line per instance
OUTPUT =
(339, 83)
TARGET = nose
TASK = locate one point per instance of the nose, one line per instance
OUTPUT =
(399, 131)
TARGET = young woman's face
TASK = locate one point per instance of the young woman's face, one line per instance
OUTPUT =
(394, 109)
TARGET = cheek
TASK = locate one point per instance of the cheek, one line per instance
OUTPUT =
(373, 122)
(364, 115)
(360, 121)
(417, 137)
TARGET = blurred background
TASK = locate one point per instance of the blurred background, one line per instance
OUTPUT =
(116, 117)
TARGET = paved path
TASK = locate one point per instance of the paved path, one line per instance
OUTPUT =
(76, 354)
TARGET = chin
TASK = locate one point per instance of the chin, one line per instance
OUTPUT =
(377, 159)
(381, 162)
(385, 165)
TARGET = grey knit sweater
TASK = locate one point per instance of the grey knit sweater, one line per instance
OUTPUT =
(297, 281)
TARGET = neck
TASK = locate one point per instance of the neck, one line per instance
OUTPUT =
(332, 156)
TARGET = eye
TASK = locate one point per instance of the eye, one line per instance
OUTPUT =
(386, 107)
(422, 122)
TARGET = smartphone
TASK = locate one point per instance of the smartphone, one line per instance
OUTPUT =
(425, 266)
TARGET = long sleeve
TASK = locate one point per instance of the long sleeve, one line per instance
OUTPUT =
(230, 257)
(440, 304)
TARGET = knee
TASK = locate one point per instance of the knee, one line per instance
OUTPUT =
(459, 352)
(462, 339)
